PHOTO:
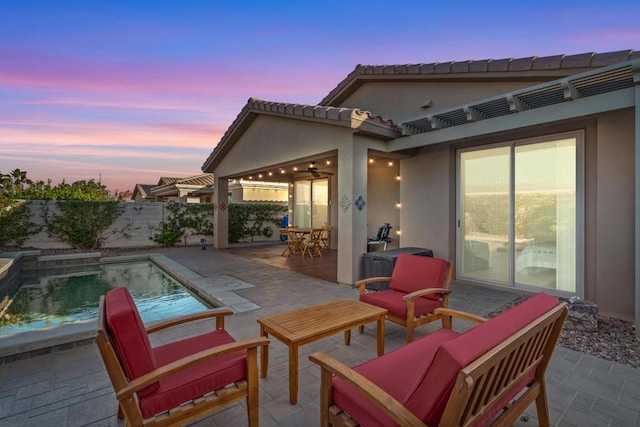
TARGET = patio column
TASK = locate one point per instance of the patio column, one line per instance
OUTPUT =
(352, 221)
(636, 80)
(220, 213)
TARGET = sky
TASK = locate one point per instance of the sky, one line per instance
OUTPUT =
(125, 92)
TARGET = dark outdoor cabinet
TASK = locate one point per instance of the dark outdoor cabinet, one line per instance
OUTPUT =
(381, 263)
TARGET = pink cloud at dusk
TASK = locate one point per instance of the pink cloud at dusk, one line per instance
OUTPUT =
(131, 91)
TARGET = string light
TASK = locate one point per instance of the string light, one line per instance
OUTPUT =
(328, 162)
(390, 162)
(370, 160)
(398, 204)
(398, 177)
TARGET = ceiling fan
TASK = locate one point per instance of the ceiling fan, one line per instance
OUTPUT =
(313, 169)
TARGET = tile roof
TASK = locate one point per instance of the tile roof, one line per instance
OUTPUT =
(621, 75)
(203, 180)
(164, 180)
(347, 117)
(144, 189)
(566, 64)
(173, 184)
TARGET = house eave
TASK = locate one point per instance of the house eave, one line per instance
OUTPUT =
(360, 121)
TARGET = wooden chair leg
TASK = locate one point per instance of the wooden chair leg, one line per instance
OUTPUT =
(542, 406)
(447, 322)
(252, 392)
(409, 332)
(325, 397)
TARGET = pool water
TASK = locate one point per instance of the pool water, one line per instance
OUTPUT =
(54, 300)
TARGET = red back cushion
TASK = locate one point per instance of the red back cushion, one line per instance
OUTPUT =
(129, 336)
(432, 393)
(414, 272)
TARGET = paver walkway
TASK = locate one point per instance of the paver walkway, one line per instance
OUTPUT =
(70, 387)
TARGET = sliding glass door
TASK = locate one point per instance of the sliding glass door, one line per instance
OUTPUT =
(311, 203)
(519, 213)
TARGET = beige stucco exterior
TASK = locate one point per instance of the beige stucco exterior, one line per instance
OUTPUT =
(269, 136)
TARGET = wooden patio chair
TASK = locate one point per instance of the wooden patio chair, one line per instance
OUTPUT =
(417, 286)
(291, 241)
(179, 381)
(313, 244)
(326, 236)
(487, 375)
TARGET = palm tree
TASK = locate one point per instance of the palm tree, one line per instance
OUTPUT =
(19, 180)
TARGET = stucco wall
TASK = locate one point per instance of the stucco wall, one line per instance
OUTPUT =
(403, 100)
(426, 194)
(615, 246)
(138, 218)
(383, 194)
(272, 140)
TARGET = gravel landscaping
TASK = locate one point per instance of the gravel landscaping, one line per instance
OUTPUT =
(614, 339)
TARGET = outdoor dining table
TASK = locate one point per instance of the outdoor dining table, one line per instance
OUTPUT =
(303, 234)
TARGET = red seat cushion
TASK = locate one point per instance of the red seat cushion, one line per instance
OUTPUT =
(129, 336)
(397, 372)
(430, 397)
(196, 380)
(393, 301)
(414, 272)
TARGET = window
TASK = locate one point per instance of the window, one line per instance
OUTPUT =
(519, 213)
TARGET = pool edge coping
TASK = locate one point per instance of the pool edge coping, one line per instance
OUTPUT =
(26, 346)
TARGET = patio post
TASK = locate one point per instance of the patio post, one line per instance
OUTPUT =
(220, 213)
(636, 80)
(352, 212)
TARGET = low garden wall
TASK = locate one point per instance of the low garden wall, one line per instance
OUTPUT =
(134, 228)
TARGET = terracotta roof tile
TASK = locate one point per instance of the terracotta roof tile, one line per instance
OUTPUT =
(548, 63)
(608, 58)
(322, 112)
(479, 66)
(460, 67)
(582, 60)
(500, 65)
(443, 68)
(532, 63)
(204, 180)
(522, 64)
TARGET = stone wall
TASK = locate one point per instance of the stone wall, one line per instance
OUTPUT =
(139, 219)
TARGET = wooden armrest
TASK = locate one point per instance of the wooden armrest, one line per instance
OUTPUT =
(422, 292)
(361, 283)
(218, 314)
(460, 315)
(378, 396)
(186, 362)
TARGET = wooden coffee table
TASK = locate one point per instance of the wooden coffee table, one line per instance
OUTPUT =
(308, 324)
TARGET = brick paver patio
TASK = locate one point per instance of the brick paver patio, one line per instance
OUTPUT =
(70, 387)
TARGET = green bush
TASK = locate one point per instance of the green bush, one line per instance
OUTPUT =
(15, 222)
(82, 224)
(183, 218)
(250, 220)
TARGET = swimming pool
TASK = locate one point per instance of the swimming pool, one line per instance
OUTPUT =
(49, 300)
